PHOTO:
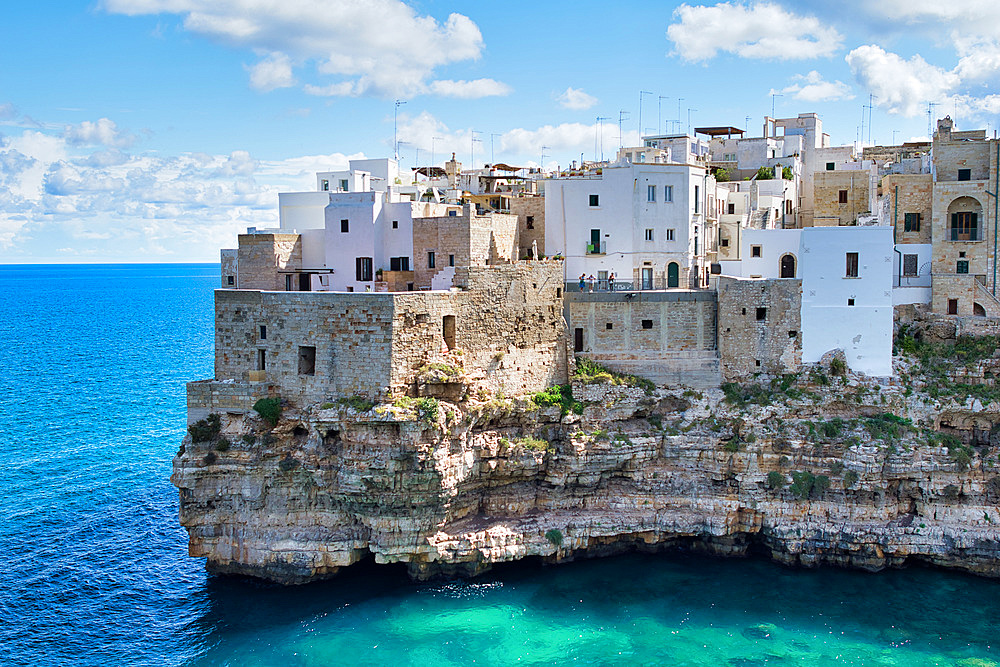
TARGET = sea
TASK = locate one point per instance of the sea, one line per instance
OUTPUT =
(94, 567)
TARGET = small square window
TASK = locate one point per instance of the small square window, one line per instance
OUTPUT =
(850, 302)
(344, 185)
(263, 332)
(529, 222)
(911, 222)
(830, 166)
(307, 360)
(609, 326)
(964, 174)
(669, 235)
(761, 313)
(453, 213)
(647, 324)
(842, 197)
(345, 226)
(395, 224)
(757, 362)
(230, 280)
(595, 200)
(430, 260)
(724, 243)
(793, 333)
(962, 266)
(755, 251)
(649, 234)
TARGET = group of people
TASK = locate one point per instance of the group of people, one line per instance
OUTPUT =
(585, 280)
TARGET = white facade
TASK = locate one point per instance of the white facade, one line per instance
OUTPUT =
(847, 280)
(911, 273)
(634, 220)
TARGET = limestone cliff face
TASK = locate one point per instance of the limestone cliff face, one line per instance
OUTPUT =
(810, 474)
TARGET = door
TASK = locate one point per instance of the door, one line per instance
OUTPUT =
(673, 271)
(305, 282)
(578, 340)
(595, 240)
(647, 278)
(787, 266)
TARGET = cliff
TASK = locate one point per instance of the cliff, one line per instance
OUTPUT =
(810, 469)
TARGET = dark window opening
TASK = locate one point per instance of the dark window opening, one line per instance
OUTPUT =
(757, 363)
(697, 199)
(263, 332)
(962, 266)
(595, 200)
(230, 280)
(965, 174)
(744, 311)
(363, 266)
(830, 166)
(953, 306)
(731, 209)
(307, 360)
(761, 313)
(430, 261)
(395, 224)
(399, 263)
(451, 260)
(529, 222)
(262, 360)
(842, 197)
(559, 292)
(647, 324)
(850, 302)
(409, 287)
(793, 333)
(964, 226)
(911, 222)
(288, 282)
(724, 243)
(609, 326)
(345, 226)
(305, 282)
(852, 265)
(909, 265)
(578, 340)
(448, 329)
(755, 251)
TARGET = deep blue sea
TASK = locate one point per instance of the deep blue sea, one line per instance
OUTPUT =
(95, 568)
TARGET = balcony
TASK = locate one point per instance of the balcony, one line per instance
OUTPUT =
(600, 249)
(601, 286)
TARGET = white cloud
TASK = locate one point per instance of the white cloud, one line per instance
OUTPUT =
(7, 111)
(979, 60)
(901, 86)
(379, 47)
(812, 87)
(575, 98)
(103, 132)
(755, 30)
(975, 17)
(274, 71)
(468, 89)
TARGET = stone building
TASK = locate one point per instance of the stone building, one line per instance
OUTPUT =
(759, 326)
(442, 243)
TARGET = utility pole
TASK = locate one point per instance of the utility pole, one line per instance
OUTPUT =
(641, 93)
(433, 139)
(679, 100)
(930, 123)
(541, 164)
(689, 120)
(622, 115)
(472, 142)
(773, 95)
(870, 106)
(600, 125)
(492, 158)
(659, 114)
(395, 137)
(894, 133)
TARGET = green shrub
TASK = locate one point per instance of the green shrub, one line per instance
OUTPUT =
(765, 173)
(820, 484)
(269, 409)
(561, 395)
(656, 421)
(248, 439)
(775, 480)
(962, 459)
(357, 403)
(535, 444)
(887, 425)
(850, 479)
(831, 428)
(837, 366)
(206, 430)
(732, 445)
(591, 372)
(722, 175)
(288, 464)
(802, 484)
(786, 173)
(600, 434)
(427, 409)
(222, 444)
(837, 467)
(210, 458)
(554, 536)
(951, 491)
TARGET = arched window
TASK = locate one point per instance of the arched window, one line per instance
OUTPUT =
(965, 220)
(787, 266)
(673, 275)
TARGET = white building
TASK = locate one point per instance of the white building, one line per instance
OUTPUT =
(650, 224)
(847, 287)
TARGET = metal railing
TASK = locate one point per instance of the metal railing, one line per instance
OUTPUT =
(601, 286)
(600, 249)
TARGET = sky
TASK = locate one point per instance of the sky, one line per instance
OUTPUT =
(157, 130)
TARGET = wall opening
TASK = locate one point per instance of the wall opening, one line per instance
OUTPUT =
(761, 313)
(578, 340)
(673, 275)
(953, 306)
(978, 310)
(787, 266)
(448, 329)
(262, 360)
(647, 324)
(307, 360)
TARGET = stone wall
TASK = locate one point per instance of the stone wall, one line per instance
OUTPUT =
(207, 396)
(228, 267)
(759, 341)
(530, 212)
(915, 196)
(461, 240)
(262, 260)
(827, 209)
(668, 337)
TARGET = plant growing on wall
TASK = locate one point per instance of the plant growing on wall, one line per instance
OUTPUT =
(269, 409)
(554, 536)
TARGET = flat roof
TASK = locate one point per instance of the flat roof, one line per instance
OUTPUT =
(719, 130)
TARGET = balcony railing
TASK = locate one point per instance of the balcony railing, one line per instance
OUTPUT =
(599, 249)
(601, 286)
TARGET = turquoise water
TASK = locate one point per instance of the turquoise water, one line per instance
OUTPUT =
(95, 570)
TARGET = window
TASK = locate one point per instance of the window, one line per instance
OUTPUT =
(962, 266)
(909, 265)
(263, 332)
(451, 260)
(345, 226)
(731, 209)
(595, 200)
(262, 360)
(842, 197)
(830, 166)
(363, 266)
(649, 234)
(850, 302)
(650, 193)
(697, 199)
(395, 224)
(755, 251)
(964, 227)
(911, 222)
(668, 193)
(288, 282)
(793, 333)
(448, 331)
(647, 324)
(761, 313)
(230, 280)
(578, 340)
(953, 306)
(529, 222)
(609, 326)
(343, 185)
(669, 235)
(430, 260)
(724, 243)
(399, 263)
(788, 206)
(852, 265)
(964, 174)
(307, 360)
(325, 185)
(453, 213)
